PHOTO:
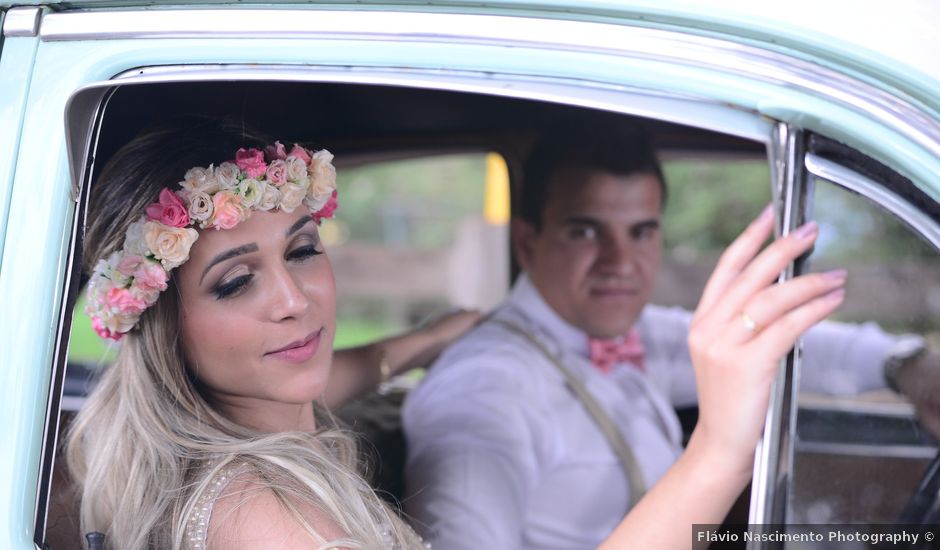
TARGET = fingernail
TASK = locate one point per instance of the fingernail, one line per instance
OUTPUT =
(835, 274)
(767, 212)
(835, 296)
(806, 230)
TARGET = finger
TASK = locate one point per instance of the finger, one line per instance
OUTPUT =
(772, 303)
(764, 270)
(735, 258)
(779, 337)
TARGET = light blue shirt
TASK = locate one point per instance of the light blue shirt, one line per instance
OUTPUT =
(503, 456)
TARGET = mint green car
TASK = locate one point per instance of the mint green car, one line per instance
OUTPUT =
(838, 101)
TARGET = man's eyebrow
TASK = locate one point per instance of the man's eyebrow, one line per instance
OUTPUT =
(582, 220)
(298, 224)
(228, 254)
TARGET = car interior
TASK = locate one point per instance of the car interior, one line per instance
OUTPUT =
(369, 126)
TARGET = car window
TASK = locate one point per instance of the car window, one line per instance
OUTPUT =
(859, 452)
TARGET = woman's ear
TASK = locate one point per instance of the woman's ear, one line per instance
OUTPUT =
(522, 234)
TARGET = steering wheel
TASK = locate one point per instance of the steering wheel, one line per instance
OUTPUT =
(923, 508)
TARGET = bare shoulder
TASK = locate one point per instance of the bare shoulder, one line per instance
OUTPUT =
(249, 514)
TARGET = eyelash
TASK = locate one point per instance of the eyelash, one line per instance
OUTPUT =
(236, 285)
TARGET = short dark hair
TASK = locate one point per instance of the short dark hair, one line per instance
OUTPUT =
(612, 146)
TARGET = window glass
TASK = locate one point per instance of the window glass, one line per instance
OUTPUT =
(859, 451)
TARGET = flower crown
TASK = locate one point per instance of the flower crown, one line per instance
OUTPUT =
(131, 279)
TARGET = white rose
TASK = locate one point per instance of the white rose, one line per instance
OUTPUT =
(227, 174)
(250, 191)
(134, 242)
(323, 179)
(296, 170)
(200, 207)
(291, 196)
(199, 179)
(170, 245)
(270, 196)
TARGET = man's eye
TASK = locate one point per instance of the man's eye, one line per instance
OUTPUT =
(303, 252)
(644, 232)
(582, 232)
(233, 287)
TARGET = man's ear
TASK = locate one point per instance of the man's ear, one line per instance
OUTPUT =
(523, 234)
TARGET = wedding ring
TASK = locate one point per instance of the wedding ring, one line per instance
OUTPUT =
(749, 323)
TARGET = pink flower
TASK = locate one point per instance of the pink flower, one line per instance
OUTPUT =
(277, 172)
(128, 264)
(124, 301)
(103, 331)
(276, 151)
(328, 209)
(150, 276)
(300, 153)
(227, 210)
(251, 161)
(169, 211)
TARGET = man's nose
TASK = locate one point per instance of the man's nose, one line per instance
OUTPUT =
(288, 299)
(618, 255)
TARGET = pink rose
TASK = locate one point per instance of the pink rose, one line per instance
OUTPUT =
(103, 331)
(251, 161)
(300, 153)
(227, 210)
(123, 301)
(276, 151)
(150, 276)
(169, 211)
(128, 264)
(328, 209)
(277, 172)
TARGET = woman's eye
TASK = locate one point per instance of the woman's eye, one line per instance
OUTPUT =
(303, 252)
(233, 287)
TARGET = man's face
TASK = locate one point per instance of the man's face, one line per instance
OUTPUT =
(596, 256)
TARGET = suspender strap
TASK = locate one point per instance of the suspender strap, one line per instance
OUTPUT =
(601, 418)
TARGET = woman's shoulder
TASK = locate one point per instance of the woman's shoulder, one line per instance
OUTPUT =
(250, 512)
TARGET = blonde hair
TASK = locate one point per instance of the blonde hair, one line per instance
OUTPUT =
(147, 442)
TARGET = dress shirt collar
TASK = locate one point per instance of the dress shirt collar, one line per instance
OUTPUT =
(527, 299)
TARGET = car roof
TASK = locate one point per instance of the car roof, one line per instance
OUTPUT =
(893, 42)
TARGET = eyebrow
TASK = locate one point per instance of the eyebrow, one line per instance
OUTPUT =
(228, 254)
(588, 220)
(248, 248)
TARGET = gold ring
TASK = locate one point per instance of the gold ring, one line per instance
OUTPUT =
(749, 323)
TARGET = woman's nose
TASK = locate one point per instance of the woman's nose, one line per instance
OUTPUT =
(288, 299)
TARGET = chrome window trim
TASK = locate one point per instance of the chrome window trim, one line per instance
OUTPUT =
(791, 190)
(599, 38)
(84, 102)
(868, 450)
(853, 181)
(22, 22)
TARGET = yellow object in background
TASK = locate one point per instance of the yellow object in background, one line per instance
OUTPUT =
(496, 194)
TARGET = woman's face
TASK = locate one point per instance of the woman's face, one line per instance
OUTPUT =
(259, 307)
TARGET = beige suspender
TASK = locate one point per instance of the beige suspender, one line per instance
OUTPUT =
(601, 418)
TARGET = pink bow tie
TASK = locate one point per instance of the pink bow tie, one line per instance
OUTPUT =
(607, 353)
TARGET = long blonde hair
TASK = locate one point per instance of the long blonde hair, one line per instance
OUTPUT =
(147, 441)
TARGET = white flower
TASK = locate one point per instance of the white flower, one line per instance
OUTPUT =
(322, 180)
(296, 170)
(291, 196)
(134, 242)
(200, 206)
(199, 179)
(170, 245)
(250, 191)
(270, 197)
(227, 174)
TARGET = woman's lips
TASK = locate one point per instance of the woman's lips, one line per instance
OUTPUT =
(300, 351)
